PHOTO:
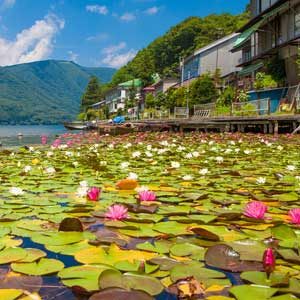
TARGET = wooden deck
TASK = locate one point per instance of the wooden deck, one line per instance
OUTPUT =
(264, 124)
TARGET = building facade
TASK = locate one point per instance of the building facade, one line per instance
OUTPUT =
(273, 31)
(216, 55)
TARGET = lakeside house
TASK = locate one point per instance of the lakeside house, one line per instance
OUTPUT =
(274, 30)
(213, 57)
(115, 98)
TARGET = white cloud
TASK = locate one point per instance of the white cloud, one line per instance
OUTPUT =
(32, 44)
(115, 57)
(152, 10)
(128, 17)
(73, 56)
(7, 4)
(98, 37)
(98, 9)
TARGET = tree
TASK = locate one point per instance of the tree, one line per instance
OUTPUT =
(203, 90)
(92, 94)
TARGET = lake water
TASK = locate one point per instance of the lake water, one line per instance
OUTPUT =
(10, 135)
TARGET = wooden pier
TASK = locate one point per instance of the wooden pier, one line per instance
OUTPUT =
(261, 124)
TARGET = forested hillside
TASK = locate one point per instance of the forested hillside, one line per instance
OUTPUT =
(163, 54)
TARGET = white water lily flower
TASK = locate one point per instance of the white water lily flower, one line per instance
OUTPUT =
(291, 168)
(16, 191)
(149, 147)
(132, 176)
(83, 183)
(195, 153)
(49, 153)
(124, 165)
(215, 149)
(82, 191)
(148, 154)
(228, 151)
(103, 163)
(136, 154)
(128, 145)
(75, 164)
(187, 177)
(261, 180)
(161, 151)
(175, 164)
(63, 146)
(297, 178)
(219, 159)
(189, 155)
(203, 171)
(50, 170)
(247, 151)
(12, 154)
(279, 148)
(111, 146)
(164, 143)
(31, 149)
(19, 164)
(181, 148)
(69, 153)
(232, 143)
(27, 169)
(142, 188)
(210, 142)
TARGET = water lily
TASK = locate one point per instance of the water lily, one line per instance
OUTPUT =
(147, 196)
(49, 153)
(255, 210)
(294, 214)
(269, 261)
(280, 148)
(27, 169)
(175, 164)
(50, 170)
(148, 154)
(297, 178)
(290, 167)
(124, 165)
(141, 189)
(132, 176)
(261, 180)
(187, 177)
(219, 159)
(117, 212)
(203, 171)
(136, 154)
(93, 194)
(44, 139)
(195, 153)
(16, 191)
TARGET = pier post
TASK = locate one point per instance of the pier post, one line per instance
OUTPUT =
(265, 128)
(276, 128)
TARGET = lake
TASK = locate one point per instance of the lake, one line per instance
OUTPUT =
(10, 134)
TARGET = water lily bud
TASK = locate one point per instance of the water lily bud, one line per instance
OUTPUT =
(93, 194)
(269, 261)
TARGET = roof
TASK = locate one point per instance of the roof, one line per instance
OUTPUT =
(131, 83)
(216, 43)
(249, 69)
(98, 103)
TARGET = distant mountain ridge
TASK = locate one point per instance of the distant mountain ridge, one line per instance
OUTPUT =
(44, 92)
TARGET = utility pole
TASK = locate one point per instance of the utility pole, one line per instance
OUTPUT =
(181, 63)
(187, 94)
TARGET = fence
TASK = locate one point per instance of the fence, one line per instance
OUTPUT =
(250, 108)
(156, 114)
(181, 112)
(204, 110)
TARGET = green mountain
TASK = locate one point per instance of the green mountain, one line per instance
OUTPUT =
(44, 92)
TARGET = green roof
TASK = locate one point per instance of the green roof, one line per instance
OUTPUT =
(132, 83)
(249, 69)
(244, 36)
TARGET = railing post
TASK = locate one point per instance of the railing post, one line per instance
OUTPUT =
(269, 106)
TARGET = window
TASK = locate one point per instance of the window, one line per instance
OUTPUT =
(264, 4)
(191, 68)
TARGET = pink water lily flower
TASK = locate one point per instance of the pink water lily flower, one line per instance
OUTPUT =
(44, 139)
(269, 261)
(295, 216)
(117, 212)
(93, 194)
(147, 196)
(256, 210)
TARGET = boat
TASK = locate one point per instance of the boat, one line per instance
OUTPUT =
(76, 125)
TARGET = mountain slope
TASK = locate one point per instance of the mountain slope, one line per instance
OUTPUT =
(45, 92)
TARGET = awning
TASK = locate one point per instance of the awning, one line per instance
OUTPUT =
(250, 69)
(244, 36)
(131, 83)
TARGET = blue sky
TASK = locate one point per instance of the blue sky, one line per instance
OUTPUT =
(93, 32)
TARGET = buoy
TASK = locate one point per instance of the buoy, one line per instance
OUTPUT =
(20, 134)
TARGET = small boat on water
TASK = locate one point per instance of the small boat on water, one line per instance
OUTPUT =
(76, 125)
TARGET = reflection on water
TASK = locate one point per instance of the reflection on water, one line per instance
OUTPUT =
(28, 134)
